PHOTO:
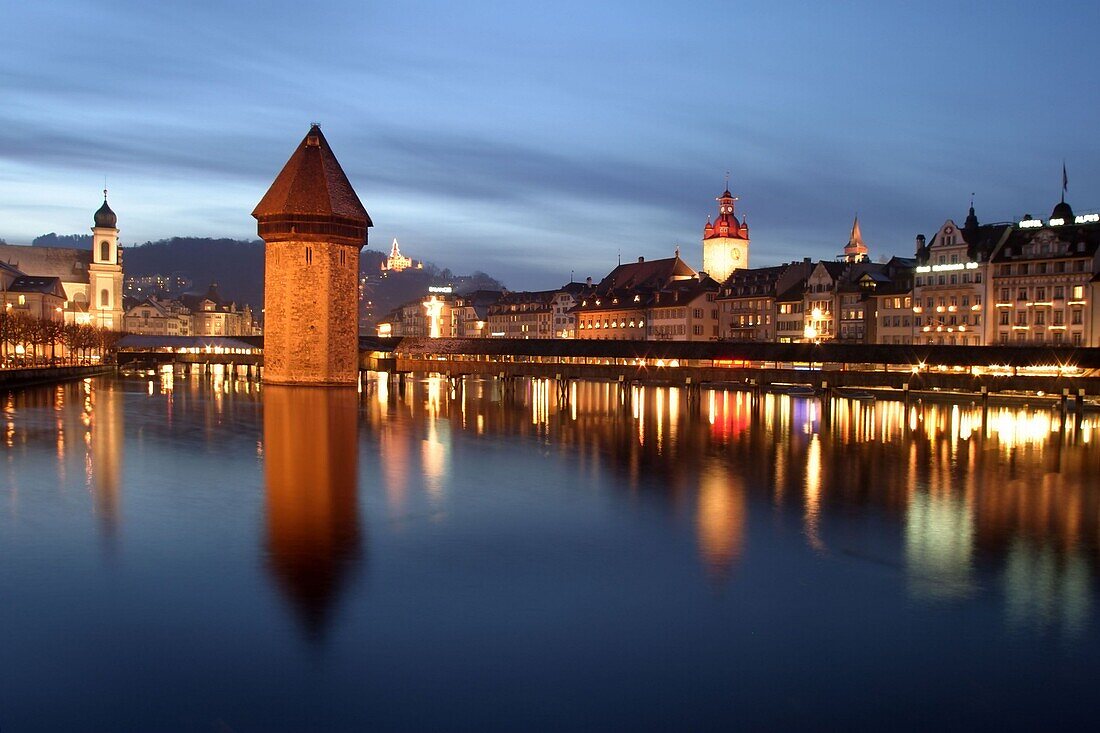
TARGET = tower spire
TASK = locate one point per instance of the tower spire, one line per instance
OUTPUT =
(855, 250)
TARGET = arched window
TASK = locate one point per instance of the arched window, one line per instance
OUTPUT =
(105, 251)
(104, 298)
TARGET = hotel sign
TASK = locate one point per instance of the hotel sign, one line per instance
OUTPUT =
(948, 267)
(1081, 219)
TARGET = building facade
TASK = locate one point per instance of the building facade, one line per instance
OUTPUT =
(1045, 281)
(155, 317)
(91, 279)
(658, 300)
(749, 309)
(951, 285)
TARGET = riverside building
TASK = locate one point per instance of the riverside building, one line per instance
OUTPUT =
(88, 282)
(1045, 281)
(655, 300)
(951, 304)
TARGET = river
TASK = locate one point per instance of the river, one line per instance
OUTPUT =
(205, 554)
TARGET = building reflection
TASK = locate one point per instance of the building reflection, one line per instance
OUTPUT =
(104, 403)
(969, 491)
(720, 520)
(310, 472)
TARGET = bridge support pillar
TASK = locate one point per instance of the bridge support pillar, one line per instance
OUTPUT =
(563, 388)
(826, 405)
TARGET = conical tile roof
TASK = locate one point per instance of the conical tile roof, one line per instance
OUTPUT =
(311, 188)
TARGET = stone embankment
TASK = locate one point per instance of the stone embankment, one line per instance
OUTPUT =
(30, 376)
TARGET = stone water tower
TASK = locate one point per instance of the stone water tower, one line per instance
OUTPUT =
(313, 226)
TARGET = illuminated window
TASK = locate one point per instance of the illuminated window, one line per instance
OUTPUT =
(1078, 292)
(22, 299)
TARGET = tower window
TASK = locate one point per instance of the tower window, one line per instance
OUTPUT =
(105, 251)
(342, 253)
(309, 255)
(104, 298)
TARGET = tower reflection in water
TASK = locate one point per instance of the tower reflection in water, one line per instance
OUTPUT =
(104, 465)
(310, 464)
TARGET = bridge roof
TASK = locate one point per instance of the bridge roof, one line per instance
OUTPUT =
(1087, 358)
(142, 342)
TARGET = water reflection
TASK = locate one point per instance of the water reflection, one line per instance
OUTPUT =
(958, 500)
(311, 453)
(720, 520)
(970, 492)
(104, 468)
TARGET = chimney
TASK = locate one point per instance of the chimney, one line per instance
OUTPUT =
(588, 281)
(641, 259)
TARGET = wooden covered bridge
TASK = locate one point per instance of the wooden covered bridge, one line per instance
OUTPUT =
(739, 365)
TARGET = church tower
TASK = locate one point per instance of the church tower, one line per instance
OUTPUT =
(105, 271)
(726, 241)
(856, 250)
(313, 226)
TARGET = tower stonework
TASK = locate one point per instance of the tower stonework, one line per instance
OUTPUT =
(726, 241)
(313, 226)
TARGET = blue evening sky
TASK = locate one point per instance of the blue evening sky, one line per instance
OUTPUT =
(531, 139)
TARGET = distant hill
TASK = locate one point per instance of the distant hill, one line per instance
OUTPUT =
(71, 241)
(237, 266)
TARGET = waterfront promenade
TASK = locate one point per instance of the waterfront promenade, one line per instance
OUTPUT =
(20, 377)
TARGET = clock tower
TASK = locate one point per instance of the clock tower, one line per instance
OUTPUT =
(725, 241)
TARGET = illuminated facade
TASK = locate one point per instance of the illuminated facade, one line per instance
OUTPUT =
(105, 271)
(91, 279)
(1045, 280)
(523, 315)
(842, 299)
(441, 314)
(396, 262)
(156, 317)
(891, 315)
(748, 308)
(663, 300)
(951, 302)
(725, 241)
(313, 226)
